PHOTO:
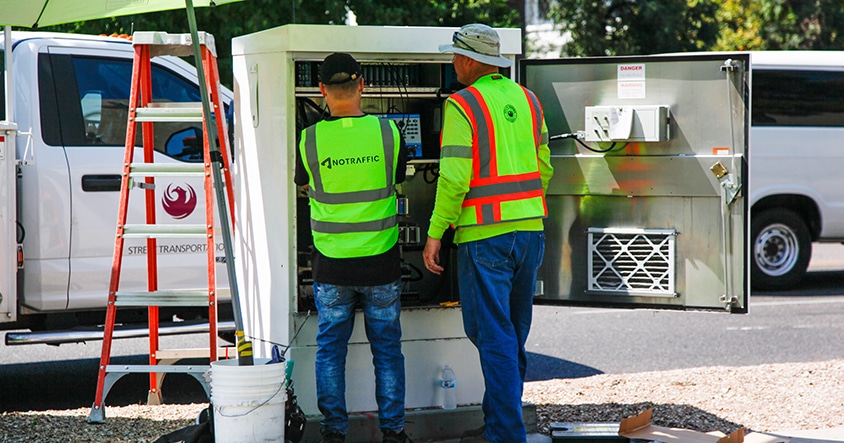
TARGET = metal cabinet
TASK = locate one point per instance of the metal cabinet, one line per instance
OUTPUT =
(647, 206)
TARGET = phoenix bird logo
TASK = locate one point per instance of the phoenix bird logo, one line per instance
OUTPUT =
(179, 200)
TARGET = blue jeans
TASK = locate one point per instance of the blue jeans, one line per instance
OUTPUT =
(336, 312)
(497, 281)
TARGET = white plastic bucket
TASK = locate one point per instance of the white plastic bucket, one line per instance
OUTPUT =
(248, 401)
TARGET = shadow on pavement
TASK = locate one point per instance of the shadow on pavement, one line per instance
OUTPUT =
(72, 384)
(816, 283)
(542, 367)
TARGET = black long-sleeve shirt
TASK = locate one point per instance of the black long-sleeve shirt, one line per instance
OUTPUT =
(374, 270)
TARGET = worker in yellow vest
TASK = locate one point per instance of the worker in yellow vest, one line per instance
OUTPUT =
(351, 163)
(494, 170)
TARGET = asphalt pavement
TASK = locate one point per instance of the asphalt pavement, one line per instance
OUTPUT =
(805, 324)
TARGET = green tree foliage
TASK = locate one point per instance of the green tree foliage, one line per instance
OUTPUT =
(435, 13)
(740, 23)
(622, 27)
(231, 20)
(625, 27)
(780, 24)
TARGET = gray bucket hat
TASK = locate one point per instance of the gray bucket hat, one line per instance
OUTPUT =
(478, 42)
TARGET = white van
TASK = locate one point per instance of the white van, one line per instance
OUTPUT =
(61, 183)
(797, 159)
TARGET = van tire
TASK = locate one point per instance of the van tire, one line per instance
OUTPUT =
(780, 248)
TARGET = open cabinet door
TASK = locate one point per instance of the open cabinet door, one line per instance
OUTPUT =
(8, 230)
(647, 207)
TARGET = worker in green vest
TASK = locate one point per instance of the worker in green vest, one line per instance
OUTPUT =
(494, 170)
(351, 163)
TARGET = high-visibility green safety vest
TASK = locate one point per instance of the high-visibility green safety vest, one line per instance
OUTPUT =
(351, 163)
(506, 183)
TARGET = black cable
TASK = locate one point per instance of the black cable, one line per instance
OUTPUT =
(404, 96)
(301, 120)
(580, 142)
(599, 151)
(321, 113)
(433, 170)
(414, 269)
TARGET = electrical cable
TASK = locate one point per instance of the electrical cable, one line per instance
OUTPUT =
(576, 138)
(303, 114)
(295, 334)
(415, 269)
(432, 169)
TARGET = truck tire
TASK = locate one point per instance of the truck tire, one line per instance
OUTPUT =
(781, 249)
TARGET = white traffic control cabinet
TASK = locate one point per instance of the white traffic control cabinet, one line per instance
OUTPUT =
(646, 208)
(277, 95)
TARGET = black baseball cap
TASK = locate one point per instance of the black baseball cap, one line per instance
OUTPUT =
(338, 68)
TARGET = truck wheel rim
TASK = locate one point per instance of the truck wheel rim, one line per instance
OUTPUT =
(776, 250)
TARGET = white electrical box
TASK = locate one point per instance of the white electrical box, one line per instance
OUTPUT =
(627, 124)
(406, 80)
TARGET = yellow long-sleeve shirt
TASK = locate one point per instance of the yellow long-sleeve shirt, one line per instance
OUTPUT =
(456, 167)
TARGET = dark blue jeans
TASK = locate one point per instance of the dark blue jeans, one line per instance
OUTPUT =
(497, 280)
(336, 312)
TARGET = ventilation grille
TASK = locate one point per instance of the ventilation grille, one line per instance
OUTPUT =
(631, 261)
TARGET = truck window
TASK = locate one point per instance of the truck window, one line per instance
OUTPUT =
(93, 97)
(798, 98)
(104, 86)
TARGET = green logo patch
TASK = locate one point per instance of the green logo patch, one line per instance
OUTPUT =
(510, 113)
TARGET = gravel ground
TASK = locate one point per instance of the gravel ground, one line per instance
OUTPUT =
(781, 397)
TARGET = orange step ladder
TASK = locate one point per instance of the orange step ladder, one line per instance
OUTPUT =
(216, 174)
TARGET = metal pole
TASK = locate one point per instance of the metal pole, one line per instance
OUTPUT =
(244, 347)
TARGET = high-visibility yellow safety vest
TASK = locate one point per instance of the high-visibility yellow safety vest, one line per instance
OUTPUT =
(351, 164)
(502, 191)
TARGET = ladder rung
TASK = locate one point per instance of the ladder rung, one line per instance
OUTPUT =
(170, 112)
(167, 355)
(164, 43)
(163, 231)
(185, 369)
(166, 169)
(161, 298)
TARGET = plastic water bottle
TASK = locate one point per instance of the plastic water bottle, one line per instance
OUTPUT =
(448, 384)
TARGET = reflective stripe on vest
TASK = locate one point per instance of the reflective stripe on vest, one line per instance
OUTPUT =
(488, 189)
(536, 116)
(317, 191)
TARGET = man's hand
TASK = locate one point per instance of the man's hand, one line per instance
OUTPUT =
(431, 255)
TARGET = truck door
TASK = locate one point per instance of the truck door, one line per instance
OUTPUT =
(92, 87)
(647, 207)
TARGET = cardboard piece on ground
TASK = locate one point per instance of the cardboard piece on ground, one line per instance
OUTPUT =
(640, 427)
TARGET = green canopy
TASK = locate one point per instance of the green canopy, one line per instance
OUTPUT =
(37, 13)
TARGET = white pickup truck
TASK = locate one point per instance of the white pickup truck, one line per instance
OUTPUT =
(61, 154)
